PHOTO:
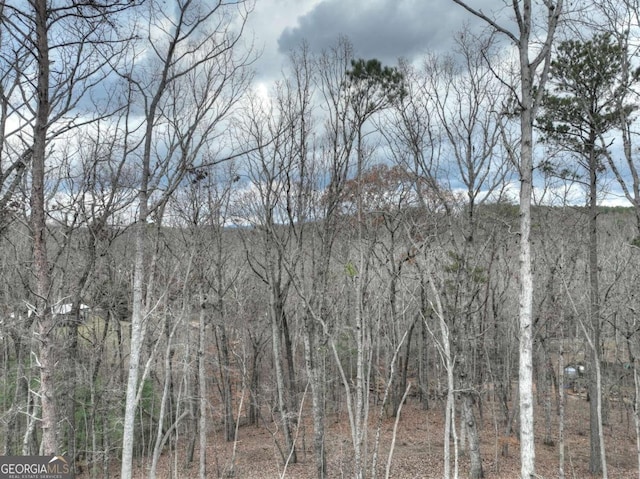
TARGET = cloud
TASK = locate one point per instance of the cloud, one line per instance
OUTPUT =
(267, 21)
(384, 29)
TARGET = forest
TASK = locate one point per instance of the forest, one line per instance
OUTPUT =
(191, 259)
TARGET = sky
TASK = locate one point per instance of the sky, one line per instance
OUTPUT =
(382, 29)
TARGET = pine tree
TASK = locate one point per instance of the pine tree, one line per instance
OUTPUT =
(579, 109)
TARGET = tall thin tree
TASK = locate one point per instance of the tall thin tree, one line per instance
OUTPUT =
(531, 18)
(200, 74)
(49, 103)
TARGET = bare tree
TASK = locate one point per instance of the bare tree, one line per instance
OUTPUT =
(301, 86)
(533, 73)
(49, 103)
(277, 212)
(371, 89)
(203, 209)
(199, 66)
(465, 100)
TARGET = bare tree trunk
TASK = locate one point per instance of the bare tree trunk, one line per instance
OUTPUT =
(423, 367)
(45, 320)
(21, 392)
(547, 382)
(288, 358)
(475, 468)
(202, 391)
(363, 340)
(600, 437)
(636, 409)
(361, 389)
(525, 369)
(598, 387)
(254, 381)
(597, 459)
(313, 354)
(561, 406)
(225, 376)
(33, 408)
(404, 366)
(157, 448)
(317, 395)
(137, 338)
(462, 443)
(529, 99)
(275, 312)
(387, 392)
(449, 421)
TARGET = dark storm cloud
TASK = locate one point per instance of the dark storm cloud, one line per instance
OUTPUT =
(382, 29)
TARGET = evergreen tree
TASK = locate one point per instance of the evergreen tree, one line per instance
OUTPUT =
(579, 109)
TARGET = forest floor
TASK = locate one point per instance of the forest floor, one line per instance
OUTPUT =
(418, 449)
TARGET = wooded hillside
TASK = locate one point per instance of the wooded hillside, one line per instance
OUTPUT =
(188, 253)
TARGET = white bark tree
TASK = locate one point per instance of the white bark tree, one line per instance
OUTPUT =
(534, 57)
(199, 67)
(444, 348)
